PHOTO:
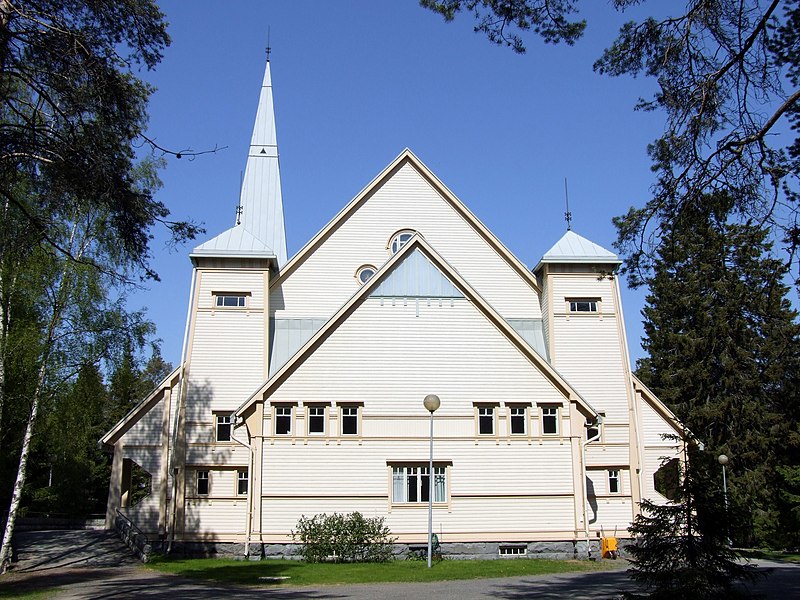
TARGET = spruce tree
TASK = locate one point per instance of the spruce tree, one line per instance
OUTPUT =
(682, 549)
(724, 354)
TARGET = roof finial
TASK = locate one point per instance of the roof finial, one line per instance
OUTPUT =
(567, 214)
(268, 46)
(239, 207)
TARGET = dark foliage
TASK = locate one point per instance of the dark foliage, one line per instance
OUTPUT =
(681, 549)
(724, 354)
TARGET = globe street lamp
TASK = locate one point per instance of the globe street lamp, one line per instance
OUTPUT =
(431, 403)
(723, 460)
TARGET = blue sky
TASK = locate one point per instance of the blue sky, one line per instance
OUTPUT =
(357, 81)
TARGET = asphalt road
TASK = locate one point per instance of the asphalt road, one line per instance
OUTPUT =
(92, 564)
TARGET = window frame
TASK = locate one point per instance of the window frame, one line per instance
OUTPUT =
(362, 269)
(421, 482)
(396, 240)
(240, 479)
(217, 417)
(343, 416)
(309, 417)
(593, 305)
(545, 414)
(278, 415)
(198, 478)
(480, 419)
(242, 302)
(511, 419)
(598, 426)
(615, 476)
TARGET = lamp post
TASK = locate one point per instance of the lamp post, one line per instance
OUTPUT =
(431, 403)
(723, 460)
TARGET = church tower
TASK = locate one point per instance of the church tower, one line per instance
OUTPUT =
(226, 349)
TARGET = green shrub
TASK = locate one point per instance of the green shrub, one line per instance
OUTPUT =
(343, 538)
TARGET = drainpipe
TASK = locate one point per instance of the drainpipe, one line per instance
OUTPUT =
(181, 393)
(248, 527)
(583, 482)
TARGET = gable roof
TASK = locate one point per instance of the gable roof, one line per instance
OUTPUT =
(417, 243)
(406, 157)
(574, 248)
(138, 411)
(259, 232)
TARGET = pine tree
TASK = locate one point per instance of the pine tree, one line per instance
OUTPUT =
(724, 354)
(682, 549)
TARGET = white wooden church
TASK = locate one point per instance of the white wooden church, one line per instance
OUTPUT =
(301, 384)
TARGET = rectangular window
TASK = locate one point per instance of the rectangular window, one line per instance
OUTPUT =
(283, 420)
(412, 484)
(613, 482)
(230, 299)
(241, 482)
(594, 429)
(349, 420)
(202, 483)
(224, 423)
(519, 419)
(486, 420)
(550, 420)
(316, 420)
(513, 550)
(583, 305)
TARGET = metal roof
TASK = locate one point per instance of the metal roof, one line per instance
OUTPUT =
(573, 248)
(260, 230)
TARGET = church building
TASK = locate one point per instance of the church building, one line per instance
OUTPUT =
(300, 387)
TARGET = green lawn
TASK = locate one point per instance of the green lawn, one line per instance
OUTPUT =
(293, 572)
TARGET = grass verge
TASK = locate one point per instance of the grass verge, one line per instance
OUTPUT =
(295, 573)
(772, 555)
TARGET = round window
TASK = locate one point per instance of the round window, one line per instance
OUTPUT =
(365, 273)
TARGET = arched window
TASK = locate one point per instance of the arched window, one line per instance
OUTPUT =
(365, 273)
(400, 239)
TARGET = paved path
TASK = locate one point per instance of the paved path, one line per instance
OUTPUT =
(95, 565)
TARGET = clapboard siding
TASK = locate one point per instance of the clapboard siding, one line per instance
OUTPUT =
(524, 515)
(607, 454)
(392, 357)
(227, 361)
(350, 469)
(654, 426)
(406, 201)
(582, 286)
(249, 282)
(609, 514)
(216, 516)
(588, 354)
(149, 428)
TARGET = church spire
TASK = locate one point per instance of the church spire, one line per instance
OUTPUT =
(261, 200)
(259, 230)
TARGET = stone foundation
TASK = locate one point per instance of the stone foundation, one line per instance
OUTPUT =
(568, 550)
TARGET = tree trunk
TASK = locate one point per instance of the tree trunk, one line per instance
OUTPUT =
(5, 551)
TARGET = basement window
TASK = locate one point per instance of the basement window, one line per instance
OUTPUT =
(513, 550)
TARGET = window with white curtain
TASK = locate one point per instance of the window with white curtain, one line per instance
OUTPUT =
(411, 484)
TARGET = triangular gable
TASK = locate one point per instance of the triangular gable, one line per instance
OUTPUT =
(141, 409)
(417, 243)
(416, 277)
(407, 158)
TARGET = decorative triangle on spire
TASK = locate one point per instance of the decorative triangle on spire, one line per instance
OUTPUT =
(260, 210)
